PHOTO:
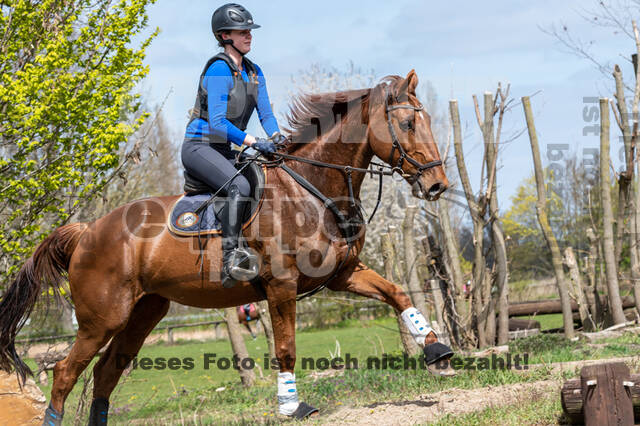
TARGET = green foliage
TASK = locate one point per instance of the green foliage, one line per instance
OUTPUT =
(573, 205)
(67, 75)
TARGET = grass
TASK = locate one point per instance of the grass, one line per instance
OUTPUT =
(547, 321)
(166, 395)
(543, 410)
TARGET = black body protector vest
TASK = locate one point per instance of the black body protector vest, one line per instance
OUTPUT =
(243, 97)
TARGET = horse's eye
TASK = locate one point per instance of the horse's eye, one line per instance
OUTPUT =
(406, 125)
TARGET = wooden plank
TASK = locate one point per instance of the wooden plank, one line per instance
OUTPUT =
(571, 398)
(606, 401)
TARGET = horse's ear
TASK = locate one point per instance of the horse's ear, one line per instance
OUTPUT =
(409, 84)
(412, 81)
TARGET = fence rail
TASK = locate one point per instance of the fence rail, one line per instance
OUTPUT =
(215, 323)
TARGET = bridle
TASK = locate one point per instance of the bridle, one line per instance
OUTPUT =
(396, 143)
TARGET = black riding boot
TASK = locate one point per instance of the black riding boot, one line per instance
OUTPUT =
(237, 262)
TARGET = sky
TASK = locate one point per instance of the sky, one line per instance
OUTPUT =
(461, 47)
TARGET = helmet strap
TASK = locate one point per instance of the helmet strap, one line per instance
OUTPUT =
(230, 43)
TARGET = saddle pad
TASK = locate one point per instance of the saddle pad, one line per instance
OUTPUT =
(184, 221)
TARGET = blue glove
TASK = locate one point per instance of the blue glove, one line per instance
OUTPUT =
(264, 146)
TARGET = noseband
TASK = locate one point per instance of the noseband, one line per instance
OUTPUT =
(396, 144)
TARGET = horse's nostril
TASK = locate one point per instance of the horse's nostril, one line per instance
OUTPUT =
(436, 189)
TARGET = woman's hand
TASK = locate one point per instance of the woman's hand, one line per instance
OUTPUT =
(264, 146)
(278, 139)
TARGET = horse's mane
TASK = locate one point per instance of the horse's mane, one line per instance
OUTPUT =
(313, 115)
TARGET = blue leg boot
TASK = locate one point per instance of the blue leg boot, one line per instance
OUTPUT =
(52, 417)
(99, 412)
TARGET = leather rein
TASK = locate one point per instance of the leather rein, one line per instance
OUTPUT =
(346, 224)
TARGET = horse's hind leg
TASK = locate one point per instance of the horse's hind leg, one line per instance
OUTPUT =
(147, 312)
(91, 336)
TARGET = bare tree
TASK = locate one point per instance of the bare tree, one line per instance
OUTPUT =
(615, 303)
(541, 210)
(477, 208)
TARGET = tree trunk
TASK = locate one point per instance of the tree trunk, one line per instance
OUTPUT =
(452, 260)
(578, 289)
(432, 273)
(478, 225)
(237, 345)
(625, 189)
(607, 218)
(265, 320)
(416, 289)
(541, 209)
(591, 290)
(490, 308)
(386, 247)
(497, 236)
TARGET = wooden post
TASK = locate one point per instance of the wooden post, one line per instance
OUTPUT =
(606, 400)
(265, 320)
(572, 399)
(452, 254)
(578, 289)
(615, 304)
(543, 219)
(416, 289)
(170, 335)
(247, 376)
(388, 256)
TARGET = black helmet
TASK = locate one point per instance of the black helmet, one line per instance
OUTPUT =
(231, 16)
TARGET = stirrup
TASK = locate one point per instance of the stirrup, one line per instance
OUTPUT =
(243, 264)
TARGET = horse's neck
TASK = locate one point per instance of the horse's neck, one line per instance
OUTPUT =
(330, 149)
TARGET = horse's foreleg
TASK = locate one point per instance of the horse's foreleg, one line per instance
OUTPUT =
(147, 312)
(366, 282)
(281, 298)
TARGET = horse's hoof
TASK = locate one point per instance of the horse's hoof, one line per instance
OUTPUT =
(304, 410)
(441, 370)
(99, 412)
(437, 356)
(52, 417)
(437, 351)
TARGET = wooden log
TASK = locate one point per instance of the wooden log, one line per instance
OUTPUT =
(573, 401)
(551, 306)
(522, 324)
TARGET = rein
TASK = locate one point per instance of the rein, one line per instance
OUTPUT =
(345, 224)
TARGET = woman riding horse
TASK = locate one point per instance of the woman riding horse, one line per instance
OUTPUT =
(230, 88)
(124, 268)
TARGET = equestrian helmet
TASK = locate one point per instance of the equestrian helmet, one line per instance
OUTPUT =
(231, 16)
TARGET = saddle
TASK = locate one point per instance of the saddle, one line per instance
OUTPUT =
(183, 219)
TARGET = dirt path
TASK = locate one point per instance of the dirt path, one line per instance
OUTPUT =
(430, 407)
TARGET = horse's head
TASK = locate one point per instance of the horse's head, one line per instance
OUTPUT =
(400, 134)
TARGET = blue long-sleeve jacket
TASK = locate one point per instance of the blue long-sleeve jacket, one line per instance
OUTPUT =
(218, 81)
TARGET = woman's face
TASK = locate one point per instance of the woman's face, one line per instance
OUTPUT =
(241, 39)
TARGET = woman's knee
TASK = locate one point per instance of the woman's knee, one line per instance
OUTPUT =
(243, 185)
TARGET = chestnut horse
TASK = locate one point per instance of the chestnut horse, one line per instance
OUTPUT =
(124, 268)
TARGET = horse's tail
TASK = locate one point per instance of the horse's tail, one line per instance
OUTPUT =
(47, 264)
